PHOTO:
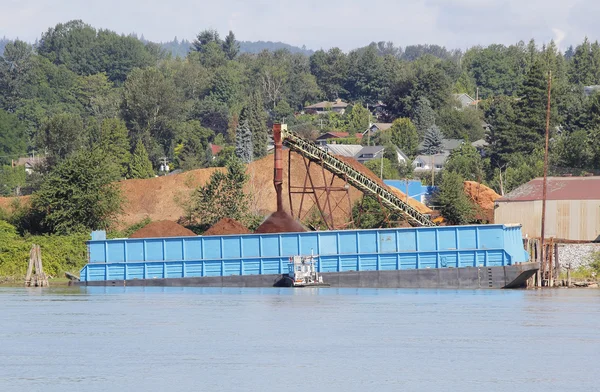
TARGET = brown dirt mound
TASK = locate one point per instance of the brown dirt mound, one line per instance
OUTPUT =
(280, 222)
(7, 203)
(227, 226)
(162, 229)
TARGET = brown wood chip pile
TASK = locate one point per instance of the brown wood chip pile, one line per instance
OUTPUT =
(280, 222)
(227, 226)
(481, 194)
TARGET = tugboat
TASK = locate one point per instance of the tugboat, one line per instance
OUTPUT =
(302, 272)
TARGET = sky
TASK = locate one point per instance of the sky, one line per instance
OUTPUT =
(320, 24)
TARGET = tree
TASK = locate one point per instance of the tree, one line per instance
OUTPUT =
(330, 70)
(115, 144)
(222, 197)
(368, 213)
(466, 161)
(383, 167)
(140, 166)
(454, 204)
(13, 142)
(150, 103)
(204, 38)
(433, 142)
(358, 119)
(424, 116)
(243, 140)
(212, 114)
(12, 179)
(531, 111)
(503, 137)
(231, 47)
(78, 195)
(61, 136)
(256, 116)
(404, 135)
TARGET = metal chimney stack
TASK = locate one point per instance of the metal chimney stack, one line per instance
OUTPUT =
(278, 170)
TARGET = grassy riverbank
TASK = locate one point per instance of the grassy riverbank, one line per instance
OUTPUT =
(60, 254)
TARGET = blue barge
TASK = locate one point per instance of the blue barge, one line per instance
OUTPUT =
(453, 256)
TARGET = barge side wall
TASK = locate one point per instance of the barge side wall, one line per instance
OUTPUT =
(339, 251)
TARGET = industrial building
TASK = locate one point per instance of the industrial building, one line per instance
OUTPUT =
(572, 208)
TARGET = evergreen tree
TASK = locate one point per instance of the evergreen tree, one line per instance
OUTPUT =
(115, 144)
(531, 111)
(433, 142)
(257, 122)
(454, 204)
(193, 154)
(230, 46)
(503, 137)
(423, 116)
(243, 140)
(204, 38)
(582, 67)
(140, 166)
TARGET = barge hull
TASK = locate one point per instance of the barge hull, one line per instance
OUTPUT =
(511, 276)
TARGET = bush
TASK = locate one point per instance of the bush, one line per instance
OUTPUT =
(59, 253)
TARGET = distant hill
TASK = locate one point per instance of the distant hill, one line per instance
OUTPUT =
(181, 48)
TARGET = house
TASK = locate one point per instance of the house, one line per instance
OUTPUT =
(362, 154)
(369, 153)
(29, 162)
(572, 208)
(465, 100)
(423, 163)
(338, 106)
(376, 127)
(331, 136)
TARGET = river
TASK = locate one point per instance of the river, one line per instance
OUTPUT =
(232, 339)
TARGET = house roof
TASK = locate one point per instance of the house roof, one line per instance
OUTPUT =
(438, 159)
(559, 188)
(338, 103)
(382, 126)
(480, 143)
(215, 149)
(376, 151)
(345, 150)
(336, 135)
(29, 161)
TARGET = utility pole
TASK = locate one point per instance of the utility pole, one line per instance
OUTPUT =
(545, 184)
(432, 171)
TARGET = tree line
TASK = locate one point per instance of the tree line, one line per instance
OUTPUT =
(82, 94)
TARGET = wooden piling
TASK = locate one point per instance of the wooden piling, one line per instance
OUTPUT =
(35, 271)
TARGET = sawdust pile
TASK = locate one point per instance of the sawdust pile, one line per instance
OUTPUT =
(482, 196)
(227, 226)
(280, 222)
(162, 229)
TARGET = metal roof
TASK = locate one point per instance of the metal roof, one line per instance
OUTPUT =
(345, 150)
(559, 188)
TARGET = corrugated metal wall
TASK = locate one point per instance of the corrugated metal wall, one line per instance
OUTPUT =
(565, 219)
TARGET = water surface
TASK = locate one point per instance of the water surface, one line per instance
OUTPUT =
(230, 339)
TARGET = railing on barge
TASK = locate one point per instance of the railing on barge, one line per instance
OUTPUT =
(348, 250)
